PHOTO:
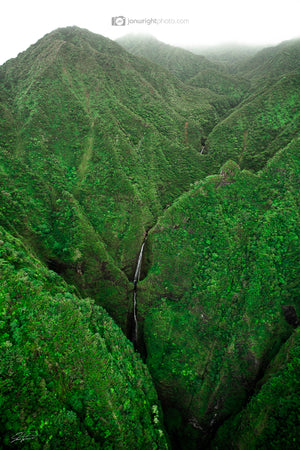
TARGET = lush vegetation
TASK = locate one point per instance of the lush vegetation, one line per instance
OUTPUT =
(99, 147)
(232, 87)
(224, 274)
(69, 378)
(272, 62)
(88, 136)
(260, 126)
(194, 70)
(182, 63)
(270, 420)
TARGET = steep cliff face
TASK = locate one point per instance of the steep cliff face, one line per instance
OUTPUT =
(262, 125)
(182, 63)
(98, 147)
(89, 136)
(270, 418)
(69, 377)
(224, 275)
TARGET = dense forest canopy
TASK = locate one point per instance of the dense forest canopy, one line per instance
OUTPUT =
(105, 143)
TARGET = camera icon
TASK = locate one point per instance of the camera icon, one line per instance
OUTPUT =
(118, 21)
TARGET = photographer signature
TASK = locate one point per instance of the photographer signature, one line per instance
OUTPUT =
(22, 437)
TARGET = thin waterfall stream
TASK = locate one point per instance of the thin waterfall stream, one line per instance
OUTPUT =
(134, 335)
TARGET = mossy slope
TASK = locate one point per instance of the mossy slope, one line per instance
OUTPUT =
(272, 62)
(224, 273)
(89, 137)
(69, 378)
(260, 126)
(270, 420)
(182, 63)
(96, 145)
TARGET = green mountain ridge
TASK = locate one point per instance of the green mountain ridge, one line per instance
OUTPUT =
(68, 375)
(99, 148)
(272, 62)
(55, 109)
(260, 126)
(194, 70)
(180, 62)
(230, 55)
(214, 308)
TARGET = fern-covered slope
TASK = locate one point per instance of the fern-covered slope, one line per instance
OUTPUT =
(89, 135)
(272, 62)
(260, 126)
(69, 377)
(96, 147)
(182, 63)
(270, 420)
(224, 274)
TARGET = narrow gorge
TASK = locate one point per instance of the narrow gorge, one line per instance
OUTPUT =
(185, 336)
(133, 314)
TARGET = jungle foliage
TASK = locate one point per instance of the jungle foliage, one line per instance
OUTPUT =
(222, 293)
(98, 147)
(69, 377)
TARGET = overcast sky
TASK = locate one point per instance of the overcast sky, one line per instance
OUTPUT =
(202, 22)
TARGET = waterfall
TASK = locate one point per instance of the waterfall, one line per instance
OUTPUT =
(135, 322)
(138, 266)
(136, 278)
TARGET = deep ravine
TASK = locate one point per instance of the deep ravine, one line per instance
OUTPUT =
(134, 327)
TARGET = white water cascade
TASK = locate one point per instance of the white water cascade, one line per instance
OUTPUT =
(135, 282)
